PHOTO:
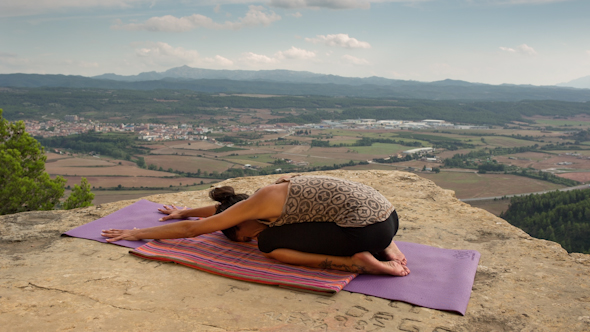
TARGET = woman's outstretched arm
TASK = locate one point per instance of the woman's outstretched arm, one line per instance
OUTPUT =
(267, 203)
(362, 263)
(175, 213)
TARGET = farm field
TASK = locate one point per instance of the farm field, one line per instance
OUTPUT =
(553, 162)
(418, 164)
(583, 177)
(79, 162)
(584, 153)
(117, 171)
(507, 142)
(527, 159)
(494, 207)
(384, 167)
(136, 181)
(561, 123)
(380, 149)
(264, 158)
(193, 145)
(107, 196)
(340, 153)
(187, 163)
(472, 185)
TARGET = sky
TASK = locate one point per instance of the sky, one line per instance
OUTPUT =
(537, 42)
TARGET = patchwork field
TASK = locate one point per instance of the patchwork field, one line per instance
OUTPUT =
(380, 150)
(187, 163)
(418, 164)
(471, 185)
(79, 162)
(562, 122)
(507, 142)
(108, 196)
(137, 182)
(449, 154)
(116, 171)
(264, 149)
(583, 177)
(194, 145)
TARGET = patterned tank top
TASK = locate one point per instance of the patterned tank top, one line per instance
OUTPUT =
(329, 199)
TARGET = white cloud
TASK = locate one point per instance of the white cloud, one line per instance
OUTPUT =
(331, 4)
(352, 60)
(341, 40)
(296, 53)
(296, 15)
(588, 52)
(257, 59)
(163, 54)
(524, 48)
(217, 8)
(219, 60)
(520, 49)
(255, 16)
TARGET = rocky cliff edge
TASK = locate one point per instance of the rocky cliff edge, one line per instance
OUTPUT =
(52, 283)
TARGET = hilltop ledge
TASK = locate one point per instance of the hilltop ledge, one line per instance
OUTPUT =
(52, 283)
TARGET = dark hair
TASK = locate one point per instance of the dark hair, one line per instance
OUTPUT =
(227, 197)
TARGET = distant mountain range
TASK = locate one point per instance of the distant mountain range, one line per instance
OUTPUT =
(580, 83)
(277, 75)
(286, 82)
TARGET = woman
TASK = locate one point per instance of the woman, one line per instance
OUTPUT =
(315, 221)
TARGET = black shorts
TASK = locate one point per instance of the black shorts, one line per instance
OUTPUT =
(328, 238)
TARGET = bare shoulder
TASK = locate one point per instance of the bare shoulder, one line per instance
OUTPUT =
(269, 191)
(271, 199)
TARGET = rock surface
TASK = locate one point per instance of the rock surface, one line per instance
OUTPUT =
(51, 283)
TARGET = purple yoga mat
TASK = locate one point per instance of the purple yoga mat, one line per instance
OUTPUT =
(140, 214)
(439, 278)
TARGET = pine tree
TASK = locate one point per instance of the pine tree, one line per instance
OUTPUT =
(81, 196)
(24, 184)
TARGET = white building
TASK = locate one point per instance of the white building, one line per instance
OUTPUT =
(419, 150)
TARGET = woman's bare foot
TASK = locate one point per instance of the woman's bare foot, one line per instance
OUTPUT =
(370, 265)
(392, 253)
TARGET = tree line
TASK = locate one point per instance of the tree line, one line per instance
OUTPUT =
(102, 104)
(562, 217)
(116, 145)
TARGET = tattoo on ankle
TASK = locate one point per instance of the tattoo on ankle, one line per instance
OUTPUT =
(327, 264)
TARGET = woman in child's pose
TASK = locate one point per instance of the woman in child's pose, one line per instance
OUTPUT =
(316, 221)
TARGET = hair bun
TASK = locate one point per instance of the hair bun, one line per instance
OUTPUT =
(221, 194)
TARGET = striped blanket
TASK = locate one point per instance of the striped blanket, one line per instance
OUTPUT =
(216, 254)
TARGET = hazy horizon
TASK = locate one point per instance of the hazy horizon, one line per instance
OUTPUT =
(536, 42)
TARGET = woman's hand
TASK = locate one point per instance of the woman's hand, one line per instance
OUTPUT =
(120, 234)
(172, 212)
